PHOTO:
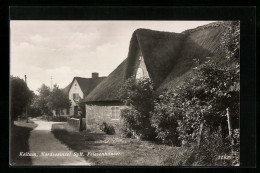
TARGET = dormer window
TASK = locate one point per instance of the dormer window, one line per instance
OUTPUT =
(140, 58)
(140, 73)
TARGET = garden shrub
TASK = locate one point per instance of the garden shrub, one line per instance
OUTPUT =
(129, 121)
(137, 94)
(107, 128)
(164, 119)
(212, 148)
(178, 158)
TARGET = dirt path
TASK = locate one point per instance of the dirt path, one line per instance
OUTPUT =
(48, 149)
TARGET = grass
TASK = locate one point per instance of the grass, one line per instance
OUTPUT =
(133, 152)
(20, 132)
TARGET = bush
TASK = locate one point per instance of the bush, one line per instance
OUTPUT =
(178, 158)
(107, 128)
(62, 118)
(137, 94)
(211, 152)
(129, 122)
(125, 132)
(164, 119)
(212, 147)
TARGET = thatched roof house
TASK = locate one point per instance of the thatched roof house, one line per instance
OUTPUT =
(163, 56)
(167, 56)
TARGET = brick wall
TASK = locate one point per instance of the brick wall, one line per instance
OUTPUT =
(96, 115)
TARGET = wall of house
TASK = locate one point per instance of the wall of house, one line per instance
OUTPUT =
(75, 88)
(97, 114)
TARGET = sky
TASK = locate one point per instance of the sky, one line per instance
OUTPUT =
(65, 49)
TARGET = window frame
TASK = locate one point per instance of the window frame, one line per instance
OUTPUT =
(77, 97)
(115, 113)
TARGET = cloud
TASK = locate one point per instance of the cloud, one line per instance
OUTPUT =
(63, 75)
(73, 46)
(25, 45)
(38, 39)
(65, 49)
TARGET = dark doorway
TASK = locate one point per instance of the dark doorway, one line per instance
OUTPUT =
(75, 110)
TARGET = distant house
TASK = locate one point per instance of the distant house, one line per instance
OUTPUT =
(78, 89)
(166, 58)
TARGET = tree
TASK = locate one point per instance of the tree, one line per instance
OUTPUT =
(58, 100)
(34, 110)
(42, 101)
(21, 96)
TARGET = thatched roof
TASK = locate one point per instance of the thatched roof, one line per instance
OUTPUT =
(85, 84)
(167, 56)
(201, 43)
(107, 90)
(159, 50)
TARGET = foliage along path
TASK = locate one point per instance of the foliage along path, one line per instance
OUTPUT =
(48, 149)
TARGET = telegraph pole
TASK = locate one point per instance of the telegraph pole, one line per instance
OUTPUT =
(51, 82)
(51, 91)
(26, 111)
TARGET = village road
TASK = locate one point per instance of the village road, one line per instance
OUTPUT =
(48, 149)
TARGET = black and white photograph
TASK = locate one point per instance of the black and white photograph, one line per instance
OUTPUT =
(124, 93)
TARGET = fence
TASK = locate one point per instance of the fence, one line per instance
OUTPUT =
(55, 118)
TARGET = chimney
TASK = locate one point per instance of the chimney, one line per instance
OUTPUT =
(94, 75)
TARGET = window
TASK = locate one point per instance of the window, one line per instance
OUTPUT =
(139, 73)
(75, 96)
(115, 113)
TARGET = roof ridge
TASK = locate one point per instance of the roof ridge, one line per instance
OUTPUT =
(209, 25)
(90, 77)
